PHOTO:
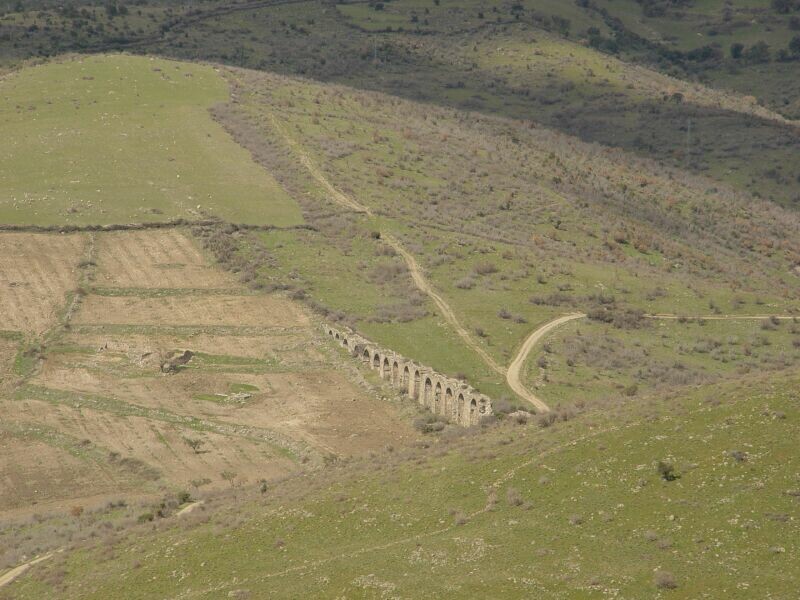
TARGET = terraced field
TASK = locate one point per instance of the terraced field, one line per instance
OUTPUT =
(36, 273)
(91, 413)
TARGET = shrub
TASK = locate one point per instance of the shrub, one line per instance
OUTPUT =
(665, 580)
(738, 455)
(546, 419)
(513, 497)
(465, 283)
(184, 497)
(666, 470)
(430, 423)
(503, 314)
(485, 268)
(502, 407)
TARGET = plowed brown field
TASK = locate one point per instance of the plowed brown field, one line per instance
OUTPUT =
(36, 272)
(264, 395)
(155, 259)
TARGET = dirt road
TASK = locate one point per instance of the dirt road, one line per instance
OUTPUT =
(423, 285)
(335, 195)
(514, 371)
(724, 317)
(19, 571)
(517, 365)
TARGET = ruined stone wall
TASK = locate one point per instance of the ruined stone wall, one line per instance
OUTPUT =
(452, 399)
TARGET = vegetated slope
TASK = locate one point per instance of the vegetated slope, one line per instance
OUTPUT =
(512, 225)
(697, 497)
(592, 363)
(117, 139)
(555, 60)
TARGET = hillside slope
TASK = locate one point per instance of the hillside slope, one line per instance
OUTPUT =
(576, 67)
(582, 507)
(511, 226)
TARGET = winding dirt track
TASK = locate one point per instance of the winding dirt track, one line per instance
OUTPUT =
(16, 572)
(423, 285)
(517, 365)
(514, 371)
(337, 196)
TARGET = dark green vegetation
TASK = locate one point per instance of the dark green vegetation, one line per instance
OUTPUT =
(696, 497)
(551, 61)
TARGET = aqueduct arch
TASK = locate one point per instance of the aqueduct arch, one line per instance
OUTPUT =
(386, 368)
(415, 383)
(448, 402)
(427, 396)
(445, 396)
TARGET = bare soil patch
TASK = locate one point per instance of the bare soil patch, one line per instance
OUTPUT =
(258, 398)
(36, 272)
(321, 408)
(162, 452)
(265, 311)
(136, 346)
(33, 472)
(155, 259)
(8, 351)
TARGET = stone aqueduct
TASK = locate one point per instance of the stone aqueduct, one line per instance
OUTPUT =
(444, 396)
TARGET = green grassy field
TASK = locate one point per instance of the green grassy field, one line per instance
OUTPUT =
(579, 509)
(117, 139)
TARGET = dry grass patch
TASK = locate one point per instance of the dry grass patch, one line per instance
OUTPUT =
(155, 259)
(134, 346)
(35, 472)
(263, 311)
(36, 272)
